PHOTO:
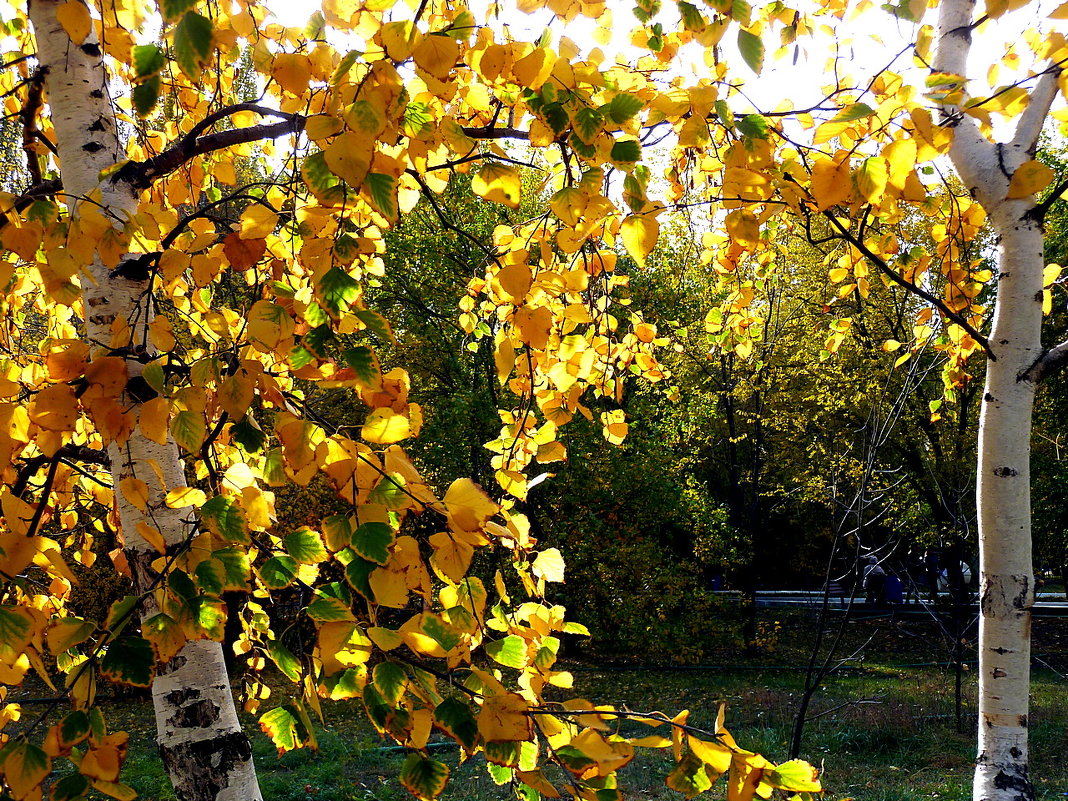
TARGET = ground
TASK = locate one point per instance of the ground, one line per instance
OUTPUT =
(884, 726)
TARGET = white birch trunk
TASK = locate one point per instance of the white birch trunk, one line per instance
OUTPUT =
(206, 754)
(1003, 479)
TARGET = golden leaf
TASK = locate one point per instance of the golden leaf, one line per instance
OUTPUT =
(75, 19)
(639, 235)
(1029, 178)
(497, 183)
(504, 718)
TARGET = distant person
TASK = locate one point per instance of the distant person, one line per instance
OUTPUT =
(894, 589)
(874, 583)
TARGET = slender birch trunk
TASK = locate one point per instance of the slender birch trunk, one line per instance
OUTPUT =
(1003, 478)
(206, 754)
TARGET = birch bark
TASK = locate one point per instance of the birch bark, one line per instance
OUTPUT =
(206, 754)
(1003, 478)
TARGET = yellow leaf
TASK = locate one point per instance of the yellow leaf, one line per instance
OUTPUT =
(322, 126)
(534, 324)
(135, 491)
(830, 182)
(533, 70)
(154, 419)
(452, 556)
(503, 717)
(349, 158)
(75, 19)
(497, 183)
(292, 71)
(152, 536)
(399, 39)
(1030, 177)
(1051, 273)
(55, 408)
(871, 179)
(743, 228)
(837, 275)
(715, 755)
(515, 280)
(257, 222)
(184, 497)
(467, 506)
(385, 426)
(614, 426)
(25, 767)
(900, 157)
(639, 235)
(236, 394)
(549, 565)
(437, 55)
(342, 645)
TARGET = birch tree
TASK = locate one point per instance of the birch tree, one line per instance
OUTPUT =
(206, 198)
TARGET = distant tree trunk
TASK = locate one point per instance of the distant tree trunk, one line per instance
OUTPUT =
(207, 755)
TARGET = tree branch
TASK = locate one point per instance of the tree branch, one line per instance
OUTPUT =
(1030, 124)
(1048, 363)
(894, 276)
(141, 175)
(490, 132)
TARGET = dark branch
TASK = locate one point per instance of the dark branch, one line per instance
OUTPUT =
(894, 276)
(1049, 362)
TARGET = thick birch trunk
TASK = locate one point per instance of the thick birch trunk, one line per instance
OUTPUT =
(207, 755)
(1003, 480)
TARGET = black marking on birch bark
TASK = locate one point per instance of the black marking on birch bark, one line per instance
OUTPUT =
(175, 664)
(1038, 296)
(988, 398)
(201, 770)
(1005, 472)
(97, 94)
(97, 126)
(1000, 651)
(998, 673)
(92, 147)
(91, 49)
(197, 715)
(182, 696)
(1014, 779)
(1015, 752)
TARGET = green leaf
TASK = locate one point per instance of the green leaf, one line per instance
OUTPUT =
(148, 60)
(854, 111)
(235, 566)
(458, 721)
(692, 18)
(372, 541)
(338, 290)
(389, 491)
(626, 152)
(753, 126)
(689, 776)
(364, 363)
(556, 117)
(623, 106)
(423, 777)
(193, 43)
(329, 610)
(284, 659)
(286, 728)
(376, 323)
(121, 613)
(189, 430)
(172, 9)
(70, 788)
(444, 635)
(209, 616)
(306, 546)
(587, 124)
(248, 434)
(225, 519)
(510, 652)
(145, 95)
(210, 576)
(278, 572)
(25, 767)
(317, 339)
(358, 573)
(503, 756)
(321, 181)
(796, 776)
(73, 728)
(382, 190)
(723, 111)
(752, 50)
(391, 681)
(16, 630)
(337, 532)
(129, 660)
(181, 585)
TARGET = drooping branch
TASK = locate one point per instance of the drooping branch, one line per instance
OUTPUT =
(75, 452)
(912, 288)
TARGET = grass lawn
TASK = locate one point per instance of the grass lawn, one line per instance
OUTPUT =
(883, 729)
